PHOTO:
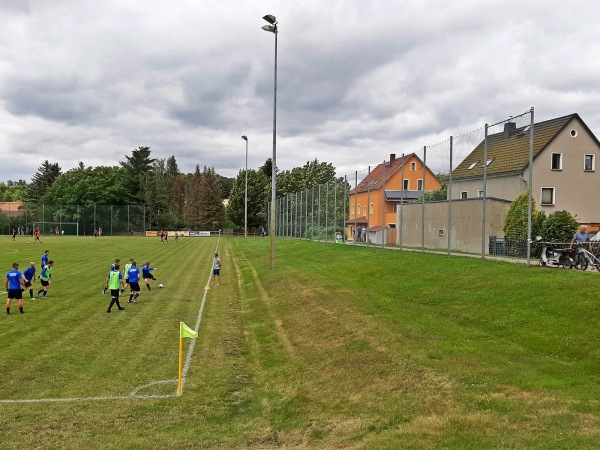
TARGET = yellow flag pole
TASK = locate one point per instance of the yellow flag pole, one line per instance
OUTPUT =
(180, 366)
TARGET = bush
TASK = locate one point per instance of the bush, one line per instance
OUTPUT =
(560, 226)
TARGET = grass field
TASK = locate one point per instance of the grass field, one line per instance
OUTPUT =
(338, 347)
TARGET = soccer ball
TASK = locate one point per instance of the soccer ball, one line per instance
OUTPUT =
(28, 242)
(161, 285)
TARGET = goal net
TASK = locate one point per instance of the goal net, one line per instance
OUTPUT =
(57, 228)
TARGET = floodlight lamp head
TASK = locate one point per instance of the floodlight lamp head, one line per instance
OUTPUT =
(270, 18)
(245, 138)
(269, 28)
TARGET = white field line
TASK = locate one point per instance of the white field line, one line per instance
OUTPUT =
(133, 394)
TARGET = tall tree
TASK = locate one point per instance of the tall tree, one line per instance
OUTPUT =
(259, 191)
(43, 179)
(192, 200)
(137, 167)
(212, 211)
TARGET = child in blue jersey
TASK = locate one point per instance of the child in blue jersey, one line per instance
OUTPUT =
(45, 258)
(133, 275)
(14, 287)
(147, 275)
(29, 278)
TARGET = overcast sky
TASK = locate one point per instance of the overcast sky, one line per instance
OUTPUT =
(357, 79)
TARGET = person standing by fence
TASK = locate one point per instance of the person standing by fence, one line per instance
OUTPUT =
(582, 236)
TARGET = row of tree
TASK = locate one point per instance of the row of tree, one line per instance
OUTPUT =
(172, 199)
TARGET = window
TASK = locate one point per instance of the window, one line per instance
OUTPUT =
(547, 196)
(371, 209)
(489, 161)
(406, 186)
(413, 166)
(365, 210)
(440, 232)
(463, 195)
(589, 163)
(352, 210)
(358, 210)
(556, 161)
(472, 165)
(419, 185)
(480, 194)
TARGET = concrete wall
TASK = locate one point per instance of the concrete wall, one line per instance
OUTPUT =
(506, 187)
(467, 221)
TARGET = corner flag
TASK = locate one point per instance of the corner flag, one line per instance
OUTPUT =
(186, 332)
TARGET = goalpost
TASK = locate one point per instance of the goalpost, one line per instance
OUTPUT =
(50, 228)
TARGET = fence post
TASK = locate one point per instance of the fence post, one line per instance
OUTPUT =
(368, 202)
(326, 211)
(355, 202)
(401, 231)
(529, 194)
(423, 200)
(383, 227)
(450, 200)
(485, 151)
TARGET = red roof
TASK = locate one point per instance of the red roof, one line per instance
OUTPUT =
(375, 179)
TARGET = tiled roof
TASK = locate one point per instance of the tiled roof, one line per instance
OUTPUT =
(359, 220)
(511, 154)
(376, 177)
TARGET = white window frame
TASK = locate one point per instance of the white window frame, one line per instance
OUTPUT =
(371, 210)
(419, 184)
(413, 166)
(560, 161)
(463, 195)
(406, 186)
(593, 169)
(472, 166)
(480, 193)
(553, 201)
(357, 209)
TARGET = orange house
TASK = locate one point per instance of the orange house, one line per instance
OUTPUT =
(373, 202)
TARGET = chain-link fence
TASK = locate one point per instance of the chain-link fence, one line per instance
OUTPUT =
(74, 220)
(451, 197)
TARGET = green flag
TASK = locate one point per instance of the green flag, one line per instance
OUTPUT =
(186, 332)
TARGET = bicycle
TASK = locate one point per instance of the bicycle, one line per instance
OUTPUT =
(584, 258)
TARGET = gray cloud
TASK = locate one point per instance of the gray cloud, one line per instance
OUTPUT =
(91, 81)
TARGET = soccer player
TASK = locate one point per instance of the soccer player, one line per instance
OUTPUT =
(14, 234)
(133, 275)
(37, 234)
(14, 287)
(112, 267)
(115, 281)
(216, 270)
(147, 275)
(45, 258)
(126, 274)
(29, 277)
(45, 278)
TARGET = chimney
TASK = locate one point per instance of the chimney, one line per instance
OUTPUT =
(392, 157)
(509, 128)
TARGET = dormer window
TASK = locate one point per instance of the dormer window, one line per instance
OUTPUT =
(489, 161)
(472, 165)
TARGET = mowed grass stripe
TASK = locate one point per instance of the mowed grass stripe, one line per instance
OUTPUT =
(79, 348)
(344, 347)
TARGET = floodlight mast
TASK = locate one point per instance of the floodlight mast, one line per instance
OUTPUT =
(246, 192)
(272, 28)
